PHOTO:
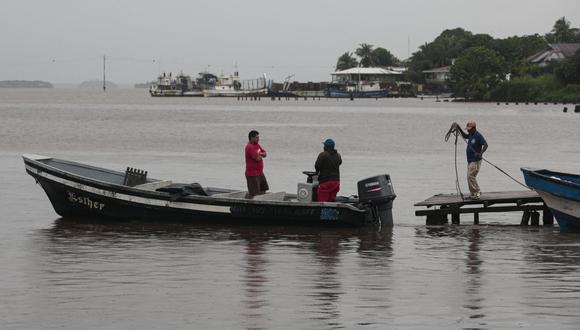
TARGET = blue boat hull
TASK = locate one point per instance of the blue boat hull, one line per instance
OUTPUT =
(560, 192)
(368, 94)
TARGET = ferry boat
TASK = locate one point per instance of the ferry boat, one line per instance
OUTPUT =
(232, 86)
(179, 85)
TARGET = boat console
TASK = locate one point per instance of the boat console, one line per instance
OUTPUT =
(307, 191)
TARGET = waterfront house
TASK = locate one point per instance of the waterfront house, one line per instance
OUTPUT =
(390, 74)
(437, 76)
(554, 52)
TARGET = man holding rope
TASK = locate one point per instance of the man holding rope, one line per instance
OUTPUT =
(476, 146)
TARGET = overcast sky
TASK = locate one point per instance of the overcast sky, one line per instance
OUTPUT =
(63, 41)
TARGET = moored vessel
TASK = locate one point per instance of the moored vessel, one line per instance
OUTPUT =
(561, 193)
(81, 190)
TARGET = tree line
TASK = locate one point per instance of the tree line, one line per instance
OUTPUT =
(368, 56)
(485, 68)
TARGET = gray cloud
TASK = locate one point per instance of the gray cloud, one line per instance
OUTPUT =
(63, 41)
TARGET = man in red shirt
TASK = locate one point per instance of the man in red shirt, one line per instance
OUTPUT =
(255, 154)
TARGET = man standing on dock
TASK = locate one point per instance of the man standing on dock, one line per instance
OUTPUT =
(476, 146)
(255, 177)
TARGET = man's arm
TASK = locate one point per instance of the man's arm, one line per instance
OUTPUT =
(318, 164)
(460, 130)
(483, 147)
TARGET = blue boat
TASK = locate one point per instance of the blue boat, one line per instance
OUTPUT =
(560, 192)
(356, 90)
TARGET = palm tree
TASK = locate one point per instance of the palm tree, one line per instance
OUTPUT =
(365, 52)
(562, 31)
(346, 61)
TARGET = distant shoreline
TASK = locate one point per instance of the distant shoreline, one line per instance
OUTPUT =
(25, 84)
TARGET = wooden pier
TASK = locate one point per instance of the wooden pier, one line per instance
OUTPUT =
(528, 202)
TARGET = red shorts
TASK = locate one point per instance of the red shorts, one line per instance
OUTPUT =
(327, 191)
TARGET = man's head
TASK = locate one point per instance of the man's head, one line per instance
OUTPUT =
(470, 127)
(328, 144)
(254, 136)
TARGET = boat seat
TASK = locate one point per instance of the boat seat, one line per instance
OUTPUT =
(233, 194)
(153, 185)
(277, 196)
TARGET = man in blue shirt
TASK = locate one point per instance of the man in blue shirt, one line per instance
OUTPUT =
(476, 146)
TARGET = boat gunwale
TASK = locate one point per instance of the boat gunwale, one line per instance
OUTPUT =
(537, 173)
(119, 188)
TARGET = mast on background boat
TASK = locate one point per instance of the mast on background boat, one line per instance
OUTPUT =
(104, 78)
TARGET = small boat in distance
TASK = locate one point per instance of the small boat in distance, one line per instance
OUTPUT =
(179, 85)
(85, 191)
(232, 86)
(560, 192)
(358, 89)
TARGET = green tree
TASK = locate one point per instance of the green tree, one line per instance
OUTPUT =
(562, 32)
(366, 55)
(441, 51)
(515, 50)
(477, 71)
(383, 57)
(346, 61)
(569, 71)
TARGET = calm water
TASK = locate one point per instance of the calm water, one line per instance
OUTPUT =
(57, 274)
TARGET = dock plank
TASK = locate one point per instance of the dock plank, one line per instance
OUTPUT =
(440, 206)
(487, 198)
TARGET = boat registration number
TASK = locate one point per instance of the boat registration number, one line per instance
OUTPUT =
(328, 214)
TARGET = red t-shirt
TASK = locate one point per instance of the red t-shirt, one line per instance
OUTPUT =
(254, 167)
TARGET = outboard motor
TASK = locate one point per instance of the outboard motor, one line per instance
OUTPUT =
(378, 193)
(307, 191)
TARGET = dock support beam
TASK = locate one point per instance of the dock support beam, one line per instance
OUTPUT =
(525, 218)
(455, 218)
(535, 219)
(547, 217)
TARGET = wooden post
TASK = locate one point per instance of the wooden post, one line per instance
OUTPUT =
(525, 218)
(535, 219)
(547, 217)
(436, 219)
(476, 218)
(455, 218)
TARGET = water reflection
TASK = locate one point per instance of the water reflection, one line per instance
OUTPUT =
(255, 283)
(473, 263)
(312, 269)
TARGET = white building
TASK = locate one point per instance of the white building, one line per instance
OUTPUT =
(368, 74)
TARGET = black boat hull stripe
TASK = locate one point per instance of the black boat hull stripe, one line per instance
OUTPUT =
(130, 198)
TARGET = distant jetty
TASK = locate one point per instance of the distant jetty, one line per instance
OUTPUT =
(25, 84)
(144, 85)
(96, 84)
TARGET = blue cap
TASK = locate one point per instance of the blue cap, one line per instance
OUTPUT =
(329, 143)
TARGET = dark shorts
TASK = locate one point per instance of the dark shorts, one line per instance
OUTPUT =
(257, 185)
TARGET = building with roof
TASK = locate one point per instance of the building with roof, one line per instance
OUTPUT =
(554, 52)
(390, 74)
(437, 76)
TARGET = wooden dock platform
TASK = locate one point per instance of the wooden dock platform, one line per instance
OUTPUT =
(528, 201)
